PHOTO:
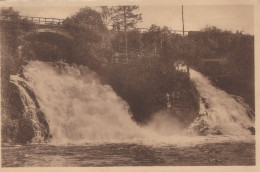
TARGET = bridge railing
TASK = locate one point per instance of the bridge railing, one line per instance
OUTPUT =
(58, 21)
(44, 20)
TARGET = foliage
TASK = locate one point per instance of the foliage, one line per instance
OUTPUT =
(13, 27)
(134, 41)
(89, 34)
(86, 19)
(151, 39)
(125, 17)
(106, 15)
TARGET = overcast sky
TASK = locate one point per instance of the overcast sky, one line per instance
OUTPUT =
(228, 17)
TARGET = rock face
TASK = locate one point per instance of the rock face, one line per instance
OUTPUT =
(18, 125)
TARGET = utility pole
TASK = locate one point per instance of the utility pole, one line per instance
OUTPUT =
(182, 21)
(188, 65)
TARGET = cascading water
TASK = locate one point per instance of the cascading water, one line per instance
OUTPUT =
(77, 106)
(79, 109)
(220, 113)
(30, 109)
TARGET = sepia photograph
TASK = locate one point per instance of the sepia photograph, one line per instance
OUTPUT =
(127, 85)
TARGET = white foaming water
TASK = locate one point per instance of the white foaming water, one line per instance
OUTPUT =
(77, 106)
(79, 109)
(220, 113)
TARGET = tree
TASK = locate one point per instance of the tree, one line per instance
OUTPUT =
(165, 34)
(151, 38)
(13, 28)
(125, 17)
(89, 31)
(155, 32)
(86, 20)
(106, 14)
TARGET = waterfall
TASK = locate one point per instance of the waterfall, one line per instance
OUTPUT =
(79, 109)
(220, 113)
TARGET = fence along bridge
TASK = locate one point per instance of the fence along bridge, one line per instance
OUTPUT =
(49, 25)
(44, 20)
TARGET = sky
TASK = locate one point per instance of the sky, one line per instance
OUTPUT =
(196, 17)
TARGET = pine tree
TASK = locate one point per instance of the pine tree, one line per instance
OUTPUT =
(126, 17)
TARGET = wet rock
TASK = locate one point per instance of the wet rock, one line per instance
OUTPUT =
(17, 126)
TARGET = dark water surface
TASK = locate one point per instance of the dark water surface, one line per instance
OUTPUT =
(128, 155)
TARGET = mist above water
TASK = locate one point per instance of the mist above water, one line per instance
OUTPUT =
(79, 109)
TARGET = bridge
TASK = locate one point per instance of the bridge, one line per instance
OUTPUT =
(49, 25)
(44, 20)
(58, 22)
